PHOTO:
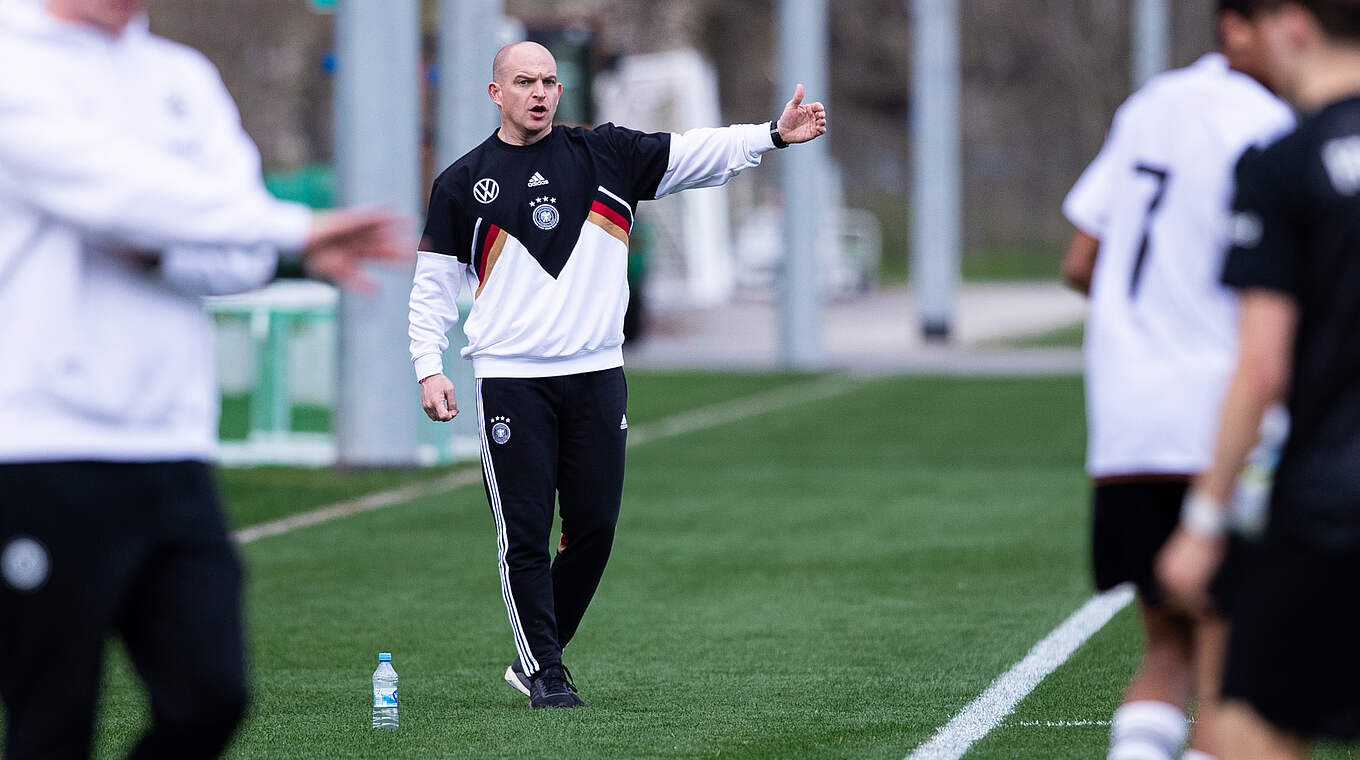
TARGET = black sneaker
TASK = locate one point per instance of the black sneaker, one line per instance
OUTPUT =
(516, 677)
(552, 687)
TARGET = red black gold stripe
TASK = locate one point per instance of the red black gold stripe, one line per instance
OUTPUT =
(491, 251)
(611, 215)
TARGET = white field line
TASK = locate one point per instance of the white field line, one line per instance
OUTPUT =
(366, 503)
(713, 415)
(987, 711)
(740, 408)
(1071, 723)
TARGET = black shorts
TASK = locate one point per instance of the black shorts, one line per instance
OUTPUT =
(1292, 653)
(1239, 560)
(1130, 524)
(93, 549)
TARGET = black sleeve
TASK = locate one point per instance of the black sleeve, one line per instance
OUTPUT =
(446, 227)
(644, 157)
(1264, 249)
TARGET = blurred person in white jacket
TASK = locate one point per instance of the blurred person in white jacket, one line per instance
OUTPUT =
(128, 190)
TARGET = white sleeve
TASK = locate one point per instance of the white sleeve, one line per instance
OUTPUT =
(218, 271)
(1089, 202)
(711, 156)
(102, 178)
(434, 310)
(228, 154)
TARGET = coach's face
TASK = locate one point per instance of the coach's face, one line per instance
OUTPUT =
(526, 89)
(112, 16)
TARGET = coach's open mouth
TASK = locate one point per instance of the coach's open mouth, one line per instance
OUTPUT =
(539, 110)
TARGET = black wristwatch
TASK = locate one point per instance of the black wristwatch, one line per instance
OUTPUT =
(774, 135)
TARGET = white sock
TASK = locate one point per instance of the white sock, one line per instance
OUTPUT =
(1194, 754)
(1147, 730)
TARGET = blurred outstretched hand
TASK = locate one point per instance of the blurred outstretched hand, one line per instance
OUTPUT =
(341, 239)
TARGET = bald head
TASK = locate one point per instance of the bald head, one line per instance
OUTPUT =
(519, 54)
(524, 86)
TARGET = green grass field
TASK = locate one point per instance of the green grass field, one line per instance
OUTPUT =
(1063, 337)
(833, 580)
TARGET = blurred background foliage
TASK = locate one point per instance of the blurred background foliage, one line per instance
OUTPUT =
(1042, 79)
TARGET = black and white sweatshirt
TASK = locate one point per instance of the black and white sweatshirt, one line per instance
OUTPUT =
(540, 234)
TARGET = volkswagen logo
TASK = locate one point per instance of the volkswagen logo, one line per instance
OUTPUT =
(486, 190)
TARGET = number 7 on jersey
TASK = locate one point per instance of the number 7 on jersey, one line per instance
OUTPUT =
(1161, 175)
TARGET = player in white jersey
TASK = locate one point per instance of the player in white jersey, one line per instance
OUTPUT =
(1151, 213)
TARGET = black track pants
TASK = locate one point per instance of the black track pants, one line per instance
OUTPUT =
(90, 549)
(542, 438)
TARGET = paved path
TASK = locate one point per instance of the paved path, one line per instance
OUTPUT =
(877, 332)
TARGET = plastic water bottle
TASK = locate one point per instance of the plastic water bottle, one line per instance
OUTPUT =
(384, 693)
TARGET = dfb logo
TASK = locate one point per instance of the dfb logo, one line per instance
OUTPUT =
(500, 430)
(544, 212)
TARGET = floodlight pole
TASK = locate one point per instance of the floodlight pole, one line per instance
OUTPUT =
(936, 147)
(377, 158)
(1151, 40)
(802, 32)
(469, 34)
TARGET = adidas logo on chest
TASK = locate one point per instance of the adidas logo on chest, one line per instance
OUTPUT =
(537, 180)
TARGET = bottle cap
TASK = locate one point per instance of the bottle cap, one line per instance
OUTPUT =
(384, 657)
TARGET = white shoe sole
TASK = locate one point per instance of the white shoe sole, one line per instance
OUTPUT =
(515, 683)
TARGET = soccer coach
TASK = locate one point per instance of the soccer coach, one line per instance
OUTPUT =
(537, 220)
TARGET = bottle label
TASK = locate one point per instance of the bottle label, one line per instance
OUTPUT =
(385, 697)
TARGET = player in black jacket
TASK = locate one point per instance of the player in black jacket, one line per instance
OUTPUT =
(1293, 666)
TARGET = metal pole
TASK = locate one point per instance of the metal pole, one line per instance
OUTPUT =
(802, 58)
(937, 134)
(469, 34)
(1151, 40)
(377, 152)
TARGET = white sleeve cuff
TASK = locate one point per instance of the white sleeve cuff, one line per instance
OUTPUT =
(428, 364)
(207, 271)
(288, 226)
(762, 142)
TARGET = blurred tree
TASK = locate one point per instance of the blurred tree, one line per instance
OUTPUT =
(272, 56)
